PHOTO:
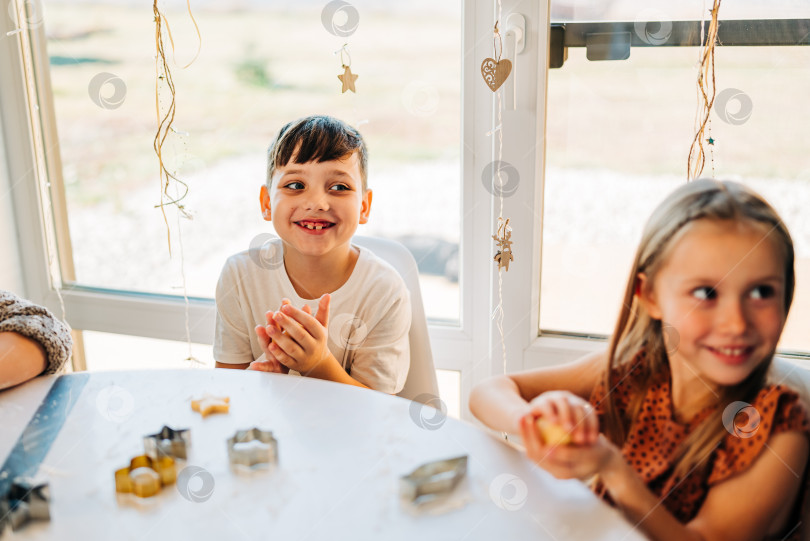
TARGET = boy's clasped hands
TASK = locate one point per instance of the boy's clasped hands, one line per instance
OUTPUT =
(561, 434)
(294, 339)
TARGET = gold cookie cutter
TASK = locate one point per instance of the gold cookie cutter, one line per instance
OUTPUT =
(433, 479)
(168, 442)
(253, 447)
(145, 476)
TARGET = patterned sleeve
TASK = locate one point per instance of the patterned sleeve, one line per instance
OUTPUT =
(776, 409)
(38, 324)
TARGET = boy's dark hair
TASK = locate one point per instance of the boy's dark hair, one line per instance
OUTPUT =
(317, 138)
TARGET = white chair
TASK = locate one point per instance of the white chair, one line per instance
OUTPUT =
(421, 383)
(792, 373)
(797, 376)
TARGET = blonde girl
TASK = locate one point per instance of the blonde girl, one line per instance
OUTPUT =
(677, 422)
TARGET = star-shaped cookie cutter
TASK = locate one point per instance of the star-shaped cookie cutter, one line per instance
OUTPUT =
(168, 442)
(253, 447)
(26, 500)
(145, 476)
(433, 479)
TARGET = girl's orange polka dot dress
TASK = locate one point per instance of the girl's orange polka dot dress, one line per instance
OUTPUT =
(656, 435)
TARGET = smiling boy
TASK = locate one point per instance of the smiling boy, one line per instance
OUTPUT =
(312, 302)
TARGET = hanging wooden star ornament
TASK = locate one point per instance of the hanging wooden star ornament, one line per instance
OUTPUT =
(348, 78)
(503, 239)
(494, 70)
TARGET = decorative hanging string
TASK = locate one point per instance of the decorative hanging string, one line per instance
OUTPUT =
(191, 358)
(706, 92)
(165, 121)
(163, 73)
(503, 231)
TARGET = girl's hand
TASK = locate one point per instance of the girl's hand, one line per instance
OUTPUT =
(588, 451)
(569, 461)
(568, 411)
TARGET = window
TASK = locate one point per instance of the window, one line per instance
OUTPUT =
(258, 68)
(77, 103)
(618, 136)
(587, 173)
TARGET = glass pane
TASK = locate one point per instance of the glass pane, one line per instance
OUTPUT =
(617, 142)
(261, 64)
(450, 391)
(108, 351)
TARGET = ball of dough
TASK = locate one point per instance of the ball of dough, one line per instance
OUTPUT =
(552, 433)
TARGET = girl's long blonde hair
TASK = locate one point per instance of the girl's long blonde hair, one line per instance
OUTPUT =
(638, 341)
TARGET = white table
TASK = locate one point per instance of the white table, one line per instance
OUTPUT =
(342, 450)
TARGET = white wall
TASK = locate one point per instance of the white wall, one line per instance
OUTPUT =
(11, 277)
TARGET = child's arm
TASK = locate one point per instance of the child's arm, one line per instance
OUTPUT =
(502, 401)
(235, 366)
(746, 507)
(32, 341)
(299, 342)
(758, 501)
(20, 359)
(730, 511)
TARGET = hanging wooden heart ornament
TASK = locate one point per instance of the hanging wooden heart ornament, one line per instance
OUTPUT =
(495, 72)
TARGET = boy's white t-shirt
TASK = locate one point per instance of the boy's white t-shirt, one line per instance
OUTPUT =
(369, 315)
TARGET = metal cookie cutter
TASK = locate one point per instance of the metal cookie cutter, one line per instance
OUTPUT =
(168, 442)
(25, 501)
(433, 479)
(145, 476)
(252, 448)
